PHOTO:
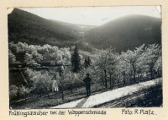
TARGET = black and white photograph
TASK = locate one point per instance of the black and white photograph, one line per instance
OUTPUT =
(85, 57)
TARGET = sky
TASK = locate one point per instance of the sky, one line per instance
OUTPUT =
(93, 15)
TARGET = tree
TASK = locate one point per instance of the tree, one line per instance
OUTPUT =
(12, 57)
(111, 68)
(75, 61)
(61, 73)
(23, 91)
(132, 57)
(151, 55)
(102, 64)
(87, 62)
(106, 63)
(123, 69)
(69, 79)
(158, 66)
(13, 90)
(28, 59)
(42, 83)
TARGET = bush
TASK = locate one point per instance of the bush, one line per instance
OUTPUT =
(13, 90)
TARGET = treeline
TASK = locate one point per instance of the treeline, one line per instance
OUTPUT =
(36, 54)
(41, 81)
(108, 67)
(132, 66)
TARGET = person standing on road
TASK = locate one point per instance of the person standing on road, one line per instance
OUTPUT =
(87, 82)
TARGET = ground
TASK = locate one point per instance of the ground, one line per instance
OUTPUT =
(145, 94)
(142, 94)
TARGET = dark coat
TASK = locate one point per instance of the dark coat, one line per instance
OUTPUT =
(87, 81)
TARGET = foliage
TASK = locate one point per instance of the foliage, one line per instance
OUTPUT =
(42, 83)
(87, 62)
(75, 61)
(132, 57)
(106, 68)
(151, 55)
(12, 57)
(13, 90)
(23, 91)
(35, 55)
(131, 66)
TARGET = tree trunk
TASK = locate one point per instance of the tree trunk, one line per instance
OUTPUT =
(48, 93)
(105, 74)
(141, 76)
(130, 77)
(124, 81)
(134, 75)
(62, 92)
(158, 73)
(138, 77)
(25, 96)
(110, 82)
(71, 88)
(151, 71)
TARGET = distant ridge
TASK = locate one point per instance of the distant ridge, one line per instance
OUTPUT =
(126, 32)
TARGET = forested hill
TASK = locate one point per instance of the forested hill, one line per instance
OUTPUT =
(32, 29)
(122, 33)
(126, 32)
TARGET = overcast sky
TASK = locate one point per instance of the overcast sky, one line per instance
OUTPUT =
(93, 15)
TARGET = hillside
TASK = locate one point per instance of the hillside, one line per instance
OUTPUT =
(32, 29)
(122, 33)
(126, 32)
